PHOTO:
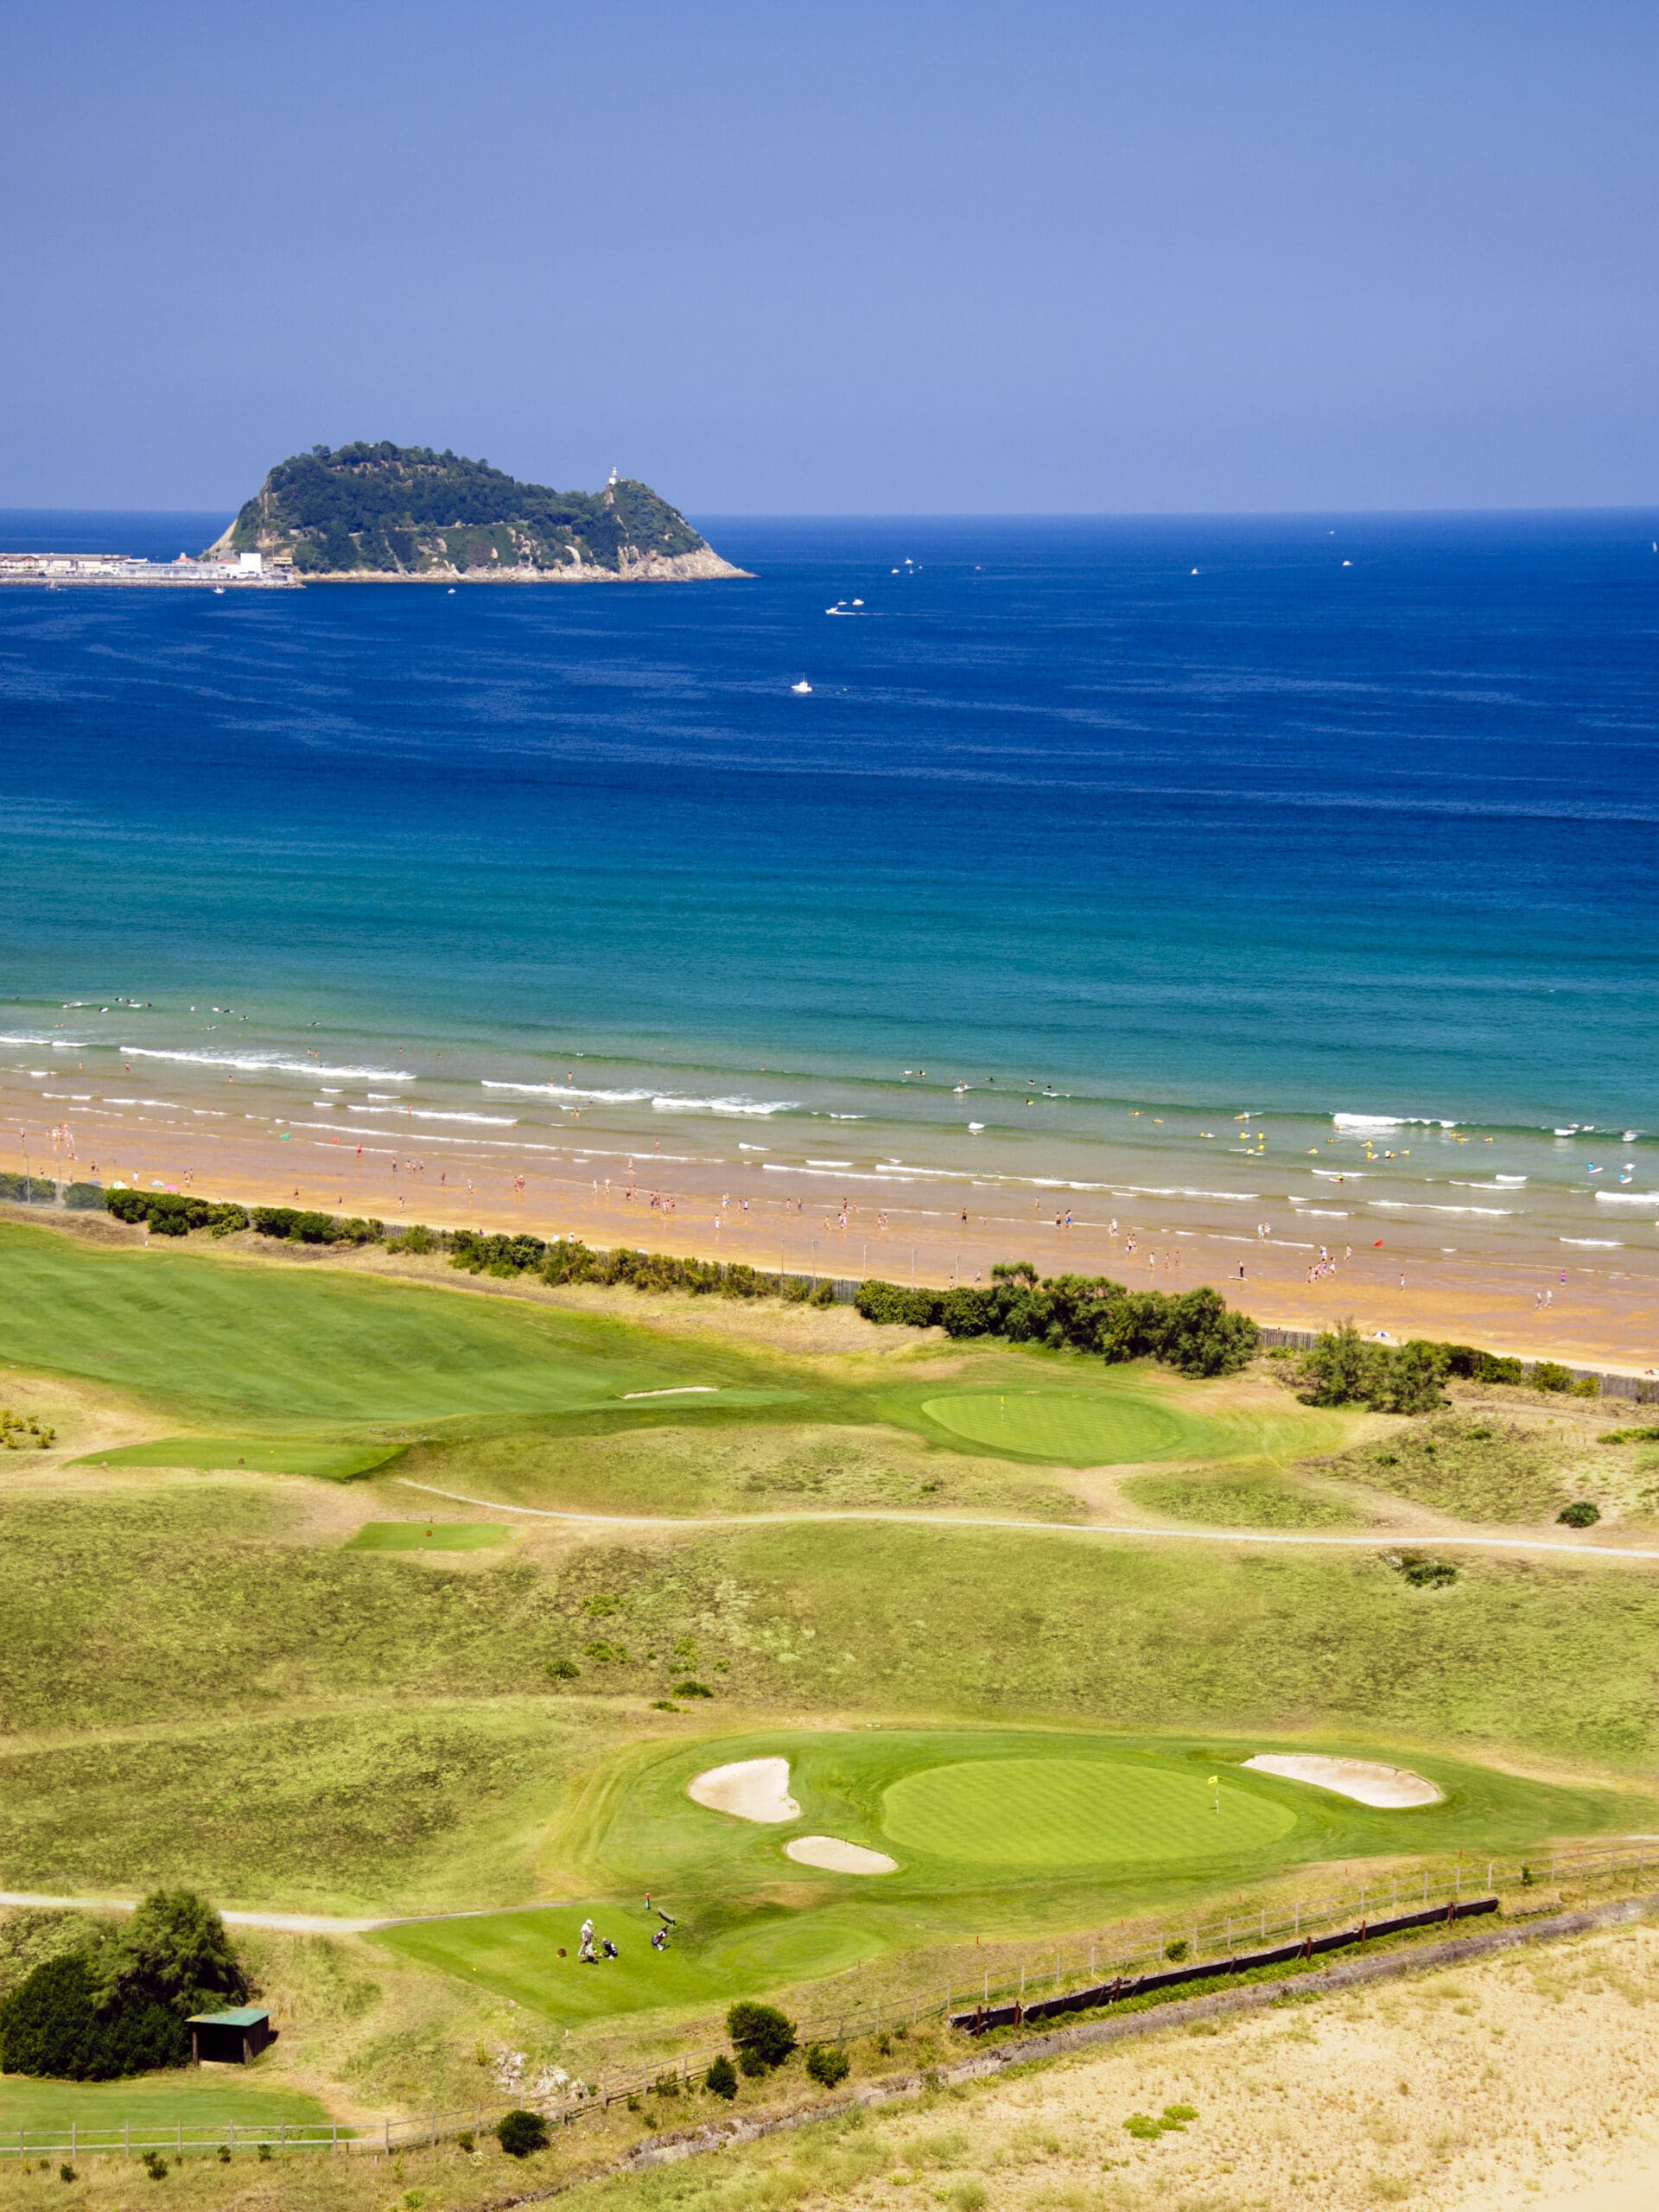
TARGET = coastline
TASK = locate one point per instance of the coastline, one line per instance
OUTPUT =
(1607, 1325)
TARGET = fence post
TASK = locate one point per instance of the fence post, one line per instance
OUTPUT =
(388, 2139)
(178, 2140)
(72, 2138)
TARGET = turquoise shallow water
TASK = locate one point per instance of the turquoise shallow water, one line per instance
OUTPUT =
(1359, 818)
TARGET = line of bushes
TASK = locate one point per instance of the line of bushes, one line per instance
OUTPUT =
(1194, 1331)
(1346, 1369)
(175, 1213)
(567, 1258)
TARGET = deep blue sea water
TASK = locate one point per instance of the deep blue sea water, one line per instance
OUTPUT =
(1310, 815)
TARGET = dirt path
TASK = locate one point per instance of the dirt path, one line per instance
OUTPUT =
(1384, 1537)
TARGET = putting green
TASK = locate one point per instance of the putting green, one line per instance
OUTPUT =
(428, 1536)
(1079, 1427)
(1064, 1812)
(264, 1455)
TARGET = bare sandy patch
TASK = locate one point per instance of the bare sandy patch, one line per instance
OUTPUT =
(1366, 1781)
(750, 1789)
(839, 1857)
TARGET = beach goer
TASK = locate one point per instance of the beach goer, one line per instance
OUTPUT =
(607, 1947)
(659, 1940)
(586, 1950)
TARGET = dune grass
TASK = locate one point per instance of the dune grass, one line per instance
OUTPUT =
(1240, 1499)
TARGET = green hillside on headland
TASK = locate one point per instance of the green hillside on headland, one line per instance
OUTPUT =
(381, 510)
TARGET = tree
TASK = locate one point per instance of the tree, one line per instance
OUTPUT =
(173, 1951)
(763, 2035)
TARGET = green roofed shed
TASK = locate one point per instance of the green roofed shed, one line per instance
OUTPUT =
(229, 2038)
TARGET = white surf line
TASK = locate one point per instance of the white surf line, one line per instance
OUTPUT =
(1380, 1540)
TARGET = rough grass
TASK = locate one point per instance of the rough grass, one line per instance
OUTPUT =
(351, 1810)
(1253, 1499)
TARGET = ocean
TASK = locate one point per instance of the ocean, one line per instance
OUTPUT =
(1090, 838)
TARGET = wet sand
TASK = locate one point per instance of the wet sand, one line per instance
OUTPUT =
(932, 1231)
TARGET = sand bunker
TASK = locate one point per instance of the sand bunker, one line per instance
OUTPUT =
(752, 1789)
(1363, 1780)
(840, 1858)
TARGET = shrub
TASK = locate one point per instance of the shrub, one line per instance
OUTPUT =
(1428, 1574)
(1583, 1513)
(83, 1198)
(827, 2065)
(721, 2079)
(28, 1190)
(763, 2036)
(563, 1670)
(1176, 1951)
(520, 2132)
(692, 1689)
(417, 1237)
(66, 2172)
(466, 2141)
(1550, 1375)
(155, 2166)
(966, 2196)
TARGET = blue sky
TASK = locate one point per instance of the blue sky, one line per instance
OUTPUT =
(909, 256)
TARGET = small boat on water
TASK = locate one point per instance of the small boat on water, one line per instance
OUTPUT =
(802, 690)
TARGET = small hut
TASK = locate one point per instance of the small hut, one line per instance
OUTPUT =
(229, 2038)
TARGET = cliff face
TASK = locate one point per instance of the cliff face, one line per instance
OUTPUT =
(368, 512)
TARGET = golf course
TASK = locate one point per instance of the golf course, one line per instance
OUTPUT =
(352, 1588)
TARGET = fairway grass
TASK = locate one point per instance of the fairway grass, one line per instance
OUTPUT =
(429, 1536)
(258, 1455)
(296, 1347)
(187, 2097)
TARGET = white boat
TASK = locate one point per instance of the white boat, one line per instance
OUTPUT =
(218, 591)
(802, 690)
